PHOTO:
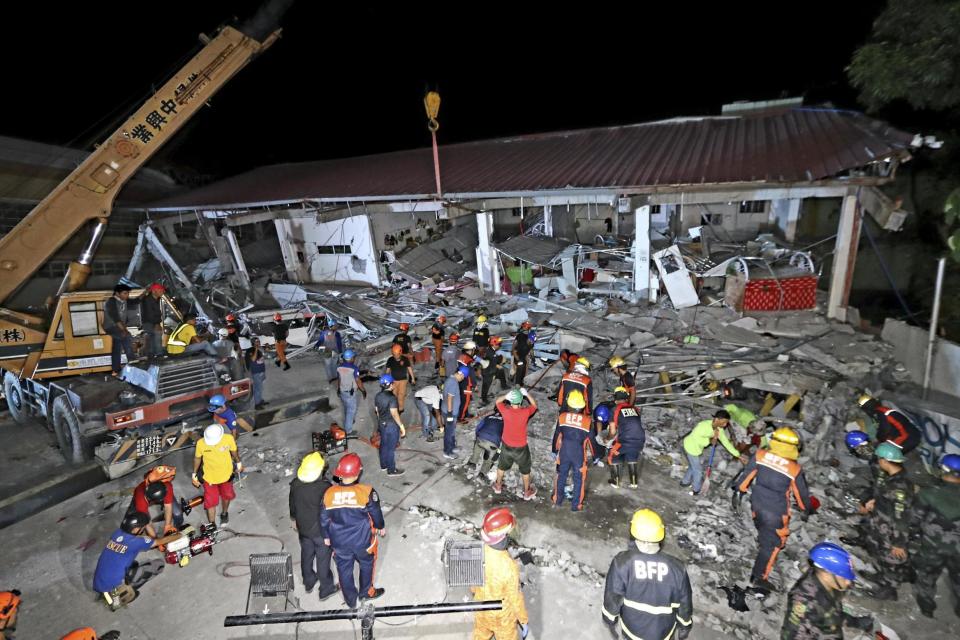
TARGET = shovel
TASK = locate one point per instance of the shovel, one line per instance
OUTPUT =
(705, 487)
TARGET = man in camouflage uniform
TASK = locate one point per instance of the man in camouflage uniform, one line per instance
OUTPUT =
(815, 603)
(885, 531)
(936, 516)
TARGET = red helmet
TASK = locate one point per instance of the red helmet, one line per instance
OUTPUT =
(231, 317)
(454, 338)
(396, 350)
(349, 466)
(496, 340)
(156, 286)
(442, 319)
(277, 317)
(525, 325)
(497, 524)
(404, 326)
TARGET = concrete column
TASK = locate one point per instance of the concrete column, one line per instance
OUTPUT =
(641, 251)
(487, 264)
(548, 220)
(290, 261)
(240, 265)
(793, 217)
(844, 259)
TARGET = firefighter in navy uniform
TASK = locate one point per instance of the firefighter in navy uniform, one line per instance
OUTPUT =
(627, 381)
(576, 447)
(893, 426)
(580, 381)
(629, 438)
(351, 520)
(481, 335)
(778, 479)
(649, 591)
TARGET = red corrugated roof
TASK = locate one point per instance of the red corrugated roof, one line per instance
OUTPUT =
(787, 146)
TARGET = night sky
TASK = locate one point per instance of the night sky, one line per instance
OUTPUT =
(348, 79)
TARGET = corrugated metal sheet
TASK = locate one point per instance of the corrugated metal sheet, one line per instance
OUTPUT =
(541, 251)
(789, 146)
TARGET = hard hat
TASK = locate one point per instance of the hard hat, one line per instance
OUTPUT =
(864, 399)
(469, 344)
(602, 413)
(481, 319)
(617, 361)
(311, 467)
(404, 326)
(231, 317)
(331, 323)
(833, 558)
(277, 317)
(86, 633)
(134, 520)
(515, 397)
(222, 332)
(575, 399)
(396, 350)
(497, 524)
(386, 380)
(856, 439)
(349, 355)
(646, 526)
(496, 341)
(525, 324)
(889, 452)
(213, 434)
(441, 319)
(583, 362)
(464, 371)
(156, 286)
(349, 466)
(621, 393)
(215, 402)
(155, 492)
(950, 463)
(786, 435)
(161, 473)
(454, 337)
(532, 336)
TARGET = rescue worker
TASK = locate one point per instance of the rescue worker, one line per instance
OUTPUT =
(351, 520)
(521, 353)
(885, 528)
(575, 447)
(348, 384)
(156, 490)
(936, 516)
(223, 415)
(389, 424)
(778, 480)
(450, 409)
(501, 581)
(428, 405)
(115, 325)
(151, 321)
(224, 345)
(602, 415)
(233, 331)
(743, 425)
(489, 433)
(449, 356)
(87, 633)
(403, 339)
(306, 500)
(858, 443)
(437, 333)
(255, 361)
(893, 426)
(629, 438)
(627, 381)
(493, 370)
(468, 358)
(568, 360)
(815, 608)
(184, 340)
(706, 433)
(514, 448)
(648, 590)
(118, 576)
(281, 331)
(330, 343)
(9, 608)
(580, 381)
(400, 368)
(217, 452)
(481, 336)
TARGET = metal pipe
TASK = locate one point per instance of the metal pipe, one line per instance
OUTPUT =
(86, 256)
(928, 369)
(359, 613)
(78, 272)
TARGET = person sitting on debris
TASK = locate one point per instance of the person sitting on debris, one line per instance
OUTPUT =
(450, 410)
(489, 433)
(118, 576)
(330, 342)
(493, 370)
(115, 325)
(184, 340)
(351, 520)
(575, 447)
(389, 424)
(521, 353)
(628, 439)
(885, 528)
(893, 426)
(281, 331)
(481, 335)
(151, 321)
(256, 364)
(224, 346)
(468, 358)
(234, 328)
(348, 383)
(223, 415)
(437, 333)
(306, 500)
(217, 453)
(449, 357)
(580, 381)
(779, 478)
(400, 367)
(514, 448)
(706, 433)
(815, 603)
(9, 609)
(858, 444)
(403, 339)
(648, 590)
(428, 404)
(627, 381)
(501, 581)
(936, 517)
(155, 493)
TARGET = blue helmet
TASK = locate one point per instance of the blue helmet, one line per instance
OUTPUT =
(464, 371)
(856, 439)
(602, 413)
(833, 558)
(950, 463)
(216, 402)
(331, 322)
(349, 355)
(386, 380)
(532, 336)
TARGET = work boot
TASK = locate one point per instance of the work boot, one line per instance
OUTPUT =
(276, 362)
(396, 472)
(884, 592)
(763, 584)
(373, 594)
(634, 474)
(224, 518)
(323, 595)
(286, 366)
(614, 476)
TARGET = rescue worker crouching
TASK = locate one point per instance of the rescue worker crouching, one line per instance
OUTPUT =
(501, 581)
(858, 444)
(580, 381)
(706, 433)
(575, 447)
(893, 426)
(626, 431)
(156, 490)
(489, 433)
(647, 590)
(936, 518)
(306, 500)
(87, 633)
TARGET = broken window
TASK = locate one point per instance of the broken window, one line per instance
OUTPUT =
(753, 206)
(654, 209)
(330, 249)
(83, 319)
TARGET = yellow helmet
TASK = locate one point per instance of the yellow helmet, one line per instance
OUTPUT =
(481, 319)
(646, 526)
(864, 399)
(311, 467)
(575, 400)
(583, 362)
(786, 435)
(616, 361)
(621, 391)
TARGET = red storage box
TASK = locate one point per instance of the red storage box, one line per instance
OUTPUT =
(769, 294)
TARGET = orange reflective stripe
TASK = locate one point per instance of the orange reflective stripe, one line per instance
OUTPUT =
(746, 481)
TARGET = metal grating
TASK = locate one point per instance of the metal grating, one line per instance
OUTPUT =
(463, 563)
(271, 574)
(192, 375)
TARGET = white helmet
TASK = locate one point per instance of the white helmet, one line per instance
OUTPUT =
(222, 332)
(213, 434)
(469, 344)
(579, 368)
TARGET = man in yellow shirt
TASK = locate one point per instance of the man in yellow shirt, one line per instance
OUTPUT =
(707, 433)
(217, 452)
(501, 582)
(185, 341)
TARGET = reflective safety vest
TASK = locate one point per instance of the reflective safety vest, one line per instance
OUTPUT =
(176, 344)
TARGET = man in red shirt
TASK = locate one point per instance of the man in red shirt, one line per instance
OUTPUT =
(157, 490)
(513, 446)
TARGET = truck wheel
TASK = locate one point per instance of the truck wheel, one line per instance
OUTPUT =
(67, 427)
(13, 392)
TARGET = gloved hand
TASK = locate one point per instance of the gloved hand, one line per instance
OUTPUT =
(484, 363)
(239, 467)
(195, 481)
(524, 631)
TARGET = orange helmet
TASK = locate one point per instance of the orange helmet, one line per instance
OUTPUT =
(454, 338)
(277, 317)
(496, 341)
(86, 633)
(442, 319)
(404, 326)
(349, 466)
(525, 325)
(231, 317)
(160, 473)
(396, 350)
(497, 524)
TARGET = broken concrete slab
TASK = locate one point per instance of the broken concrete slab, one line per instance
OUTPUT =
(641, 339)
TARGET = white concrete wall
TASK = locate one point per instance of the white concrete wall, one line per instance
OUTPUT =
(300, 237)
(910, 344)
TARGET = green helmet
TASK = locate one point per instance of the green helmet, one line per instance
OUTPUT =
(889, 452)
(515, 397)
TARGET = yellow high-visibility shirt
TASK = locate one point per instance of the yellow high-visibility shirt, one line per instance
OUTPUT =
(217, 461)
(180, 338)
